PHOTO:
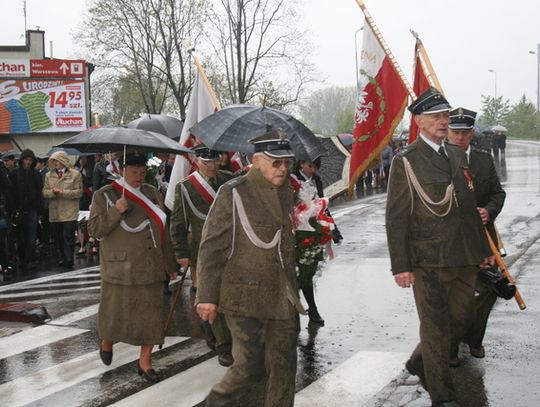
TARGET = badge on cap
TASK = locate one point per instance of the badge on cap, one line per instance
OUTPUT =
(273, 144)
(461, 118)
(430, 102)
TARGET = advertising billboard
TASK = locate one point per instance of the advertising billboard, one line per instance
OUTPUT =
(37, 105)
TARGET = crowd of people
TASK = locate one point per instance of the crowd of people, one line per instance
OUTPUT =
(238, 236)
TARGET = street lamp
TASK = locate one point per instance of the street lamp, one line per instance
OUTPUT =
(356, 56)
(537, 77)
(495, 73)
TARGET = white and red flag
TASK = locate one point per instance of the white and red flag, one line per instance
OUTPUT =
(420, 85)
(382, 98)
(202, 103)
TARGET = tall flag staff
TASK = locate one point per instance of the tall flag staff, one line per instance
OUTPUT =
(202, 103)
(424, 77)
(382, 99)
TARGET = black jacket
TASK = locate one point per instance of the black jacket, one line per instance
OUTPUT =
(26, 185)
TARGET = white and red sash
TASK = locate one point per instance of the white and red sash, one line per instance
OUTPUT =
(295, 182)
(136, 196)
(202, 186)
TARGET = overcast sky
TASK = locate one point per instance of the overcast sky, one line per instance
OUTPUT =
(464, 39)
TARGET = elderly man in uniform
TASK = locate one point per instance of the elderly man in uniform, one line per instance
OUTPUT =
(246, 268)
(490, 199)
(436, 241)
(193, 198)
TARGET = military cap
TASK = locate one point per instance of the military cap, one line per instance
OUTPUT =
(134, 158)
(205, 154)
(461, 118)
(430, 102)
(10, 155)
(273, 144)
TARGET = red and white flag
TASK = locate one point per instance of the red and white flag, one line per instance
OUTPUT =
(382, 99)
(201, 105)
(420, 85)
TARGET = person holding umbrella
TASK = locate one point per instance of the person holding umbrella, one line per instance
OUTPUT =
(135, 253)
(246, 267)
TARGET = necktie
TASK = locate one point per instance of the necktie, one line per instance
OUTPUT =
(442, 152)
(60, 173)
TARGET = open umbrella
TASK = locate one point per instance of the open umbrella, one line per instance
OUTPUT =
(159, 123)
(106, 139)
(68, 151)
(499, 128)
(230, 129)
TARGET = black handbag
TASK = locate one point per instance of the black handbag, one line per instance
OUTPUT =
(498, 284)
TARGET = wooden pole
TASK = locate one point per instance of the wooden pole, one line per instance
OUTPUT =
(202, 73)
(504, 270)
(426, 63)
(385, 47)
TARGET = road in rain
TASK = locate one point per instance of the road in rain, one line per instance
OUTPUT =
(356, 359)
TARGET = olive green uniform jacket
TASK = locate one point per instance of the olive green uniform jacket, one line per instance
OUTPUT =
(487, 187)
(244, 280)
(184, 221)
(418, 238)
(132, 269)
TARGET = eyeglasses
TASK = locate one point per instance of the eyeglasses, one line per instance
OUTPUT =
(279, 162)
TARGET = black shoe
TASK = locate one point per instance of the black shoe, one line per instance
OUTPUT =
(225, 359)
(150, 374)
(479, 352)
(315, 317)
(416, 372)
(105, 355)
(66, 264)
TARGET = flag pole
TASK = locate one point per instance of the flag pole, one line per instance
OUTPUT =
(202, 73)
(426, 62)
(385, 47)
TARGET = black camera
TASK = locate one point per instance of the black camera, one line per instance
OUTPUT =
(497, 283)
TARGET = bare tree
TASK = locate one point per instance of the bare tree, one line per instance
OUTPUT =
(260, 51)
(145, 42)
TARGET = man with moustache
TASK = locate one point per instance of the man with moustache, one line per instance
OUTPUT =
(490, 199)
(436, 241)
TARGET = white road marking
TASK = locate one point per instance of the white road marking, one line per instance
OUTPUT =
(200, 379)
(353, 382)
(35, 337)
(27, 389)
(8, 296)
(42, 335)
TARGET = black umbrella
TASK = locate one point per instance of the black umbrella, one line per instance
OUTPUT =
(159, 123)
(106, 139)
(68, 151)
(230, 129)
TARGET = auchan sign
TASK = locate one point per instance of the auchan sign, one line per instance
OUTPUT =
(14, 68)
(42, 68)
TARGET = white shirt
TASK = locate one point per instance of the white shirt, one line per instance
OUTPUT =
(433, 145)
(468, 152)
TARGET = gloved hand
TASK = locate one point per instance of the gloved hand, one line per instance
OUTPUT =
(336, 236)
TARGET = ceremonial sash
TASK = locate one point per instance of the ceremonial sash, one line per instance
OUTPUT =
(202, 187)
(151, 209)
(295, 182)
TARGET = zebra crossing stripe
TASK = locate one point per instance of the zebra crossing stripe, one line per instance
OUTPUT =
(45, 334)
(11, 296)
(35, 337)
(201, 378)
(28, 389)
(353, 382)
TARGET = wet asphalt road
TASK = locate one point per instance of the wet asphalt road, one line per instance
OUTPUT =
(355, 359)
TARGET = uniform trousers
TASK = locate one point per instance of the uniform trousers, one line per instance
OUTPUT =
(483, 303)
(443, 299)
(264, 369)
(222, 334)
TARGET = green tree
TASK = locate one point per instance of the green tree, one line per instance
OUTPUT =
(523, 121)
(494, 111)
(330, 110)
